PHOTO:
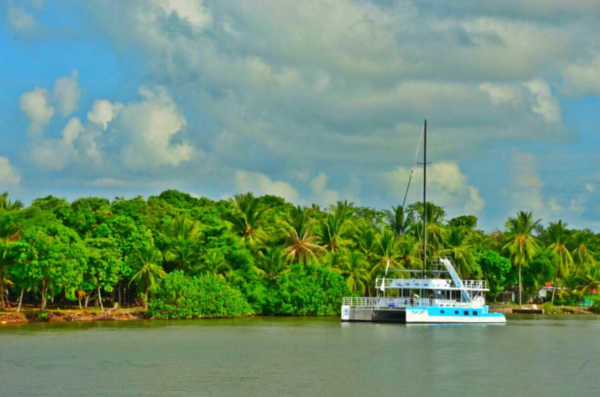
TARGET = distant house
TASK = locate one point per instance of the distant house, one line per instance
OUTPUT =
(506, 297)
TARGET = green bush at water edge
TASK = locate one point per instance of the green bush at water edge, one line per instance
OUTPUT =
(182, 297)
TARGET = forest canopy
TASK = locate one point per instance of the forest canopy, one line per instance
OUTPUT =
(181, 256)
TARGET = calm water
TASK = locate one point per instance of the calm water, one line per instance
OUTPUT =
(301, 357)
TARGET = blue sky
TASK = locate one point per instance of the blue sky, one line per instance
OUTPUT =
(314, 101)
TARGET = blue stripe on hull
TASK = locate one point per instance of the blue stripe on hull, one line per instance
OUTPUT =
(452, 314)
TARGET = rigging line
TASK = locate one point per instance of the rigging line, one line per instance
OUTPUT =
(413, 167)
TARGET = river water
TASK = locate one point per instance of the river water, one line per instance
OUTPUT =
(535, 356)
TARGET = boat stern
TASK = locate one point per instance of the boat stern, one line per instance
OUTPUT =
(458, 315)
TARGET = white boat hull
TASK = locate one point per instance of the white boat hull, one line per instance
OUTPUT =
(433, 315)
(422, 315)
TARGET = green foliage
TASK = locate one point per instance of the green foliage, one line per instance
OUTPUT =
(468, 222)
(104, 263)
(57, 262)
(307, 290)
(179, 296)
(282, 259)
(495, 269)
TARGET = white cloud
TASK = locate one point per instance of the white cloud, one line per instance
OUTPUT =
(590, 187)
(527, 193)
(20, 21)
(153, 129)
(103, 112)
(302, 176)
(113, 182)
(321, 194)
(261, 184)
(447, 186)
(525, 171)
(545, 103)
(554, 205)
(583, 77)
(500, 94)
(72, 131)
(291, 82)
(8, 174)
(192, 12)
(67, 93)
(56, 154)
(35, 104)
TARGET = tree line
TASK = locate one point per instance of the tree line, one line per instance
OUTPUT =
(183, 257)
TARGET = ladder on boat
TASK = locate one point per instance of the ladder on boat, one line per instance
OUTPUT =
(456, 278)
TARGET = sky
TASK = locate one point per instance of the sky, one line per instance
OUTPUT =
(313, 101)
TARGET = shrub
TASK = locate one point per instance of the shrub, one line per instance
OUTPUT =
(182, 297)
(310, 290)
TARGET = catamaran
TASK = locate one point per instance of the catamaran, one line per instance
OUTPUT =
(433, 294)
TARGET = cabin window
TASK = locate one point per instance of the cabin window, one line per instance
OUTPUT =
(456, 312)
(466, 312)
(442, 312)
(474, 313)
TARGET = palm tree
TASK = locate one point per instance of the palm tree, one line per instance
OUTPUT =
(183, 252)
(343, 209)
(300, 219)
(591, 280)
(557, 235)
(8, 234)
(386, 252)
(520, 243)
(247, 219)
(365, 240)
(582, 255)
(355, 270)
(214, 263)
(397, 220)
(458, 249)
(271, 263)
(4, 268)
(335, 231)
(572, 285)
(410, 255)
(298, 236)
(147, 260)
(302, 247)
(8, 205)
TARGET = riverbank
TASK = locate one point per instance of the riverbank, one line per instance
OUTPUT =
(34, 316)
(546, 308)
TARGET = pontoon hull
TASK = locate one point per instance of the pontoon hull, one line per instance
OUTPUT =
(421, 315)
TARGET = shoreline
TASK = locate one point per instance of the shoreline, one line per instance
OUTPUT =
(139, 314)
(55, 316)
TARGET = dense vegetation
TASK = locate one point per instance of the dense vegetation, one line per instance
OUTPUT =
(186, 257)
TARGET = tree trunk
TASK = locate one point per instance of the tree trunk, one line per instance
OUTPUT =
(146, 302)
(119, 293)
(100, 299)
(20, 300)
(44, 299)
(554, 287)
(87, 299)
(1, 292)
(79, 301)
(520, 288)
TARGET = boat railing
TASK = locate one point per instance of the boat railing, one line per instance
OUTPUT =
(435, 283)
(389, 302)
(361, 301)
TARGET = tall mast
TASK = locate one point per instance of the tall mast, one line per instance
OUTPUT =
(425, 199)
